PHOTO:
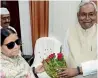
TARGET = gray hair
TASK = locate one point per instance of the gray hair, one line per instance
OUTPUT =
(87, 2)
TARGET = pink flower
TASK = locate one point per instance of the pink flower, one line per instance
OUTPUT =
(60, 56)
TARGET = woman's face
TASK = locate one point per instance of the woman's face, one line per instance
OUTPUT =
(12, 49)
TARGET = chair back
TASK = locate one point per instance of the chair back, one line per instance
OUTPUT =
(44, 47)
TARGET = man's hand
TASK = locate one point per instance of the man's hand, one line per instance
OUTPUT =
(39, 69)
(67, 72)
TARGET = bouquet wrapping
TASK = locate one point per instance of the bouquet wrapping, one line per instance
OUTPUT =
(52, 64)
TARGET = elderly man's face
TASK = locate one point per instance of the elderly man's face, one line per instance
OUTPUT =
(5, 20)
(87, 16)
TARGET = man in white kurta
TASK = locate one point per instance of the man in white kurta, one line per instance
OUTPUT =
(81, 41)
(91, 66)
(5, 18)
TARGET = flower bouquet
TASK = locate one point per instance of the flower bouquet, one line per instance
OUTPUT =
(52, 64)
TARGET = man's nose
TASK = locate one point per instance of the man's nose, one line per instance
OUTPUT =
(7, 20)
(87, 17)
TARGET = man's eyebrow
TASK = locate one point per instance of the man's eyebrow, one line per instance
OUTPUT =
(88, 12)
(92, 12)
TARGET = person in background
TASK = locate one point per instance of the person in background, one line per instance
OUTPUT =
(5, 19)
(81, 44)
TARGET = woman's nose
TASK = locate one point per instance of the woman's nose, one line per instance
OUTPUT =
(16, 46)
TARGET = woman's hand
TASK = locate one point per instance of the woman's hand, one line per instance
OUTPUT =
(67, 72)
(39, 69)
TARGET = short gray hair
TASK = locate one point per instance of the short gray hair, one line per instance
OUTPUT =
(87, 2)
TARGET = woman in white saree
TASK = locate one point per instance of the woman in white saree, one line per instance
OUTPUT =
(12, 64)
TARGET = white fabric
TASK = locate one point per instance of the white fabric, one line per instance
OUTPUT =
(65, 46)
(4, 11)
(10, 28)
(89, 67)
(82, 46)
(15, 67)
(45, 46)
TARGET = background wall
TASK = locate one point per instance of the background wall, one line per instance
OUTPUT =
(62, 14)
(25, 27)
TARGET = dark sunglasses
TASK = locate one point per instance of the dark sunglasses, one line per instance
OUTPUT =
(12, 44)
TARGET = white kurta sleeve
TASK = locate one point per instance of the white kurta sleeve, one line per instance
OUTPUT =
(65, 45)
(89, 67)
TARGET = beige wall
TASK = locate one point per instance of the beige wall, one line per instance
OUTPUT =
(62, 14)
